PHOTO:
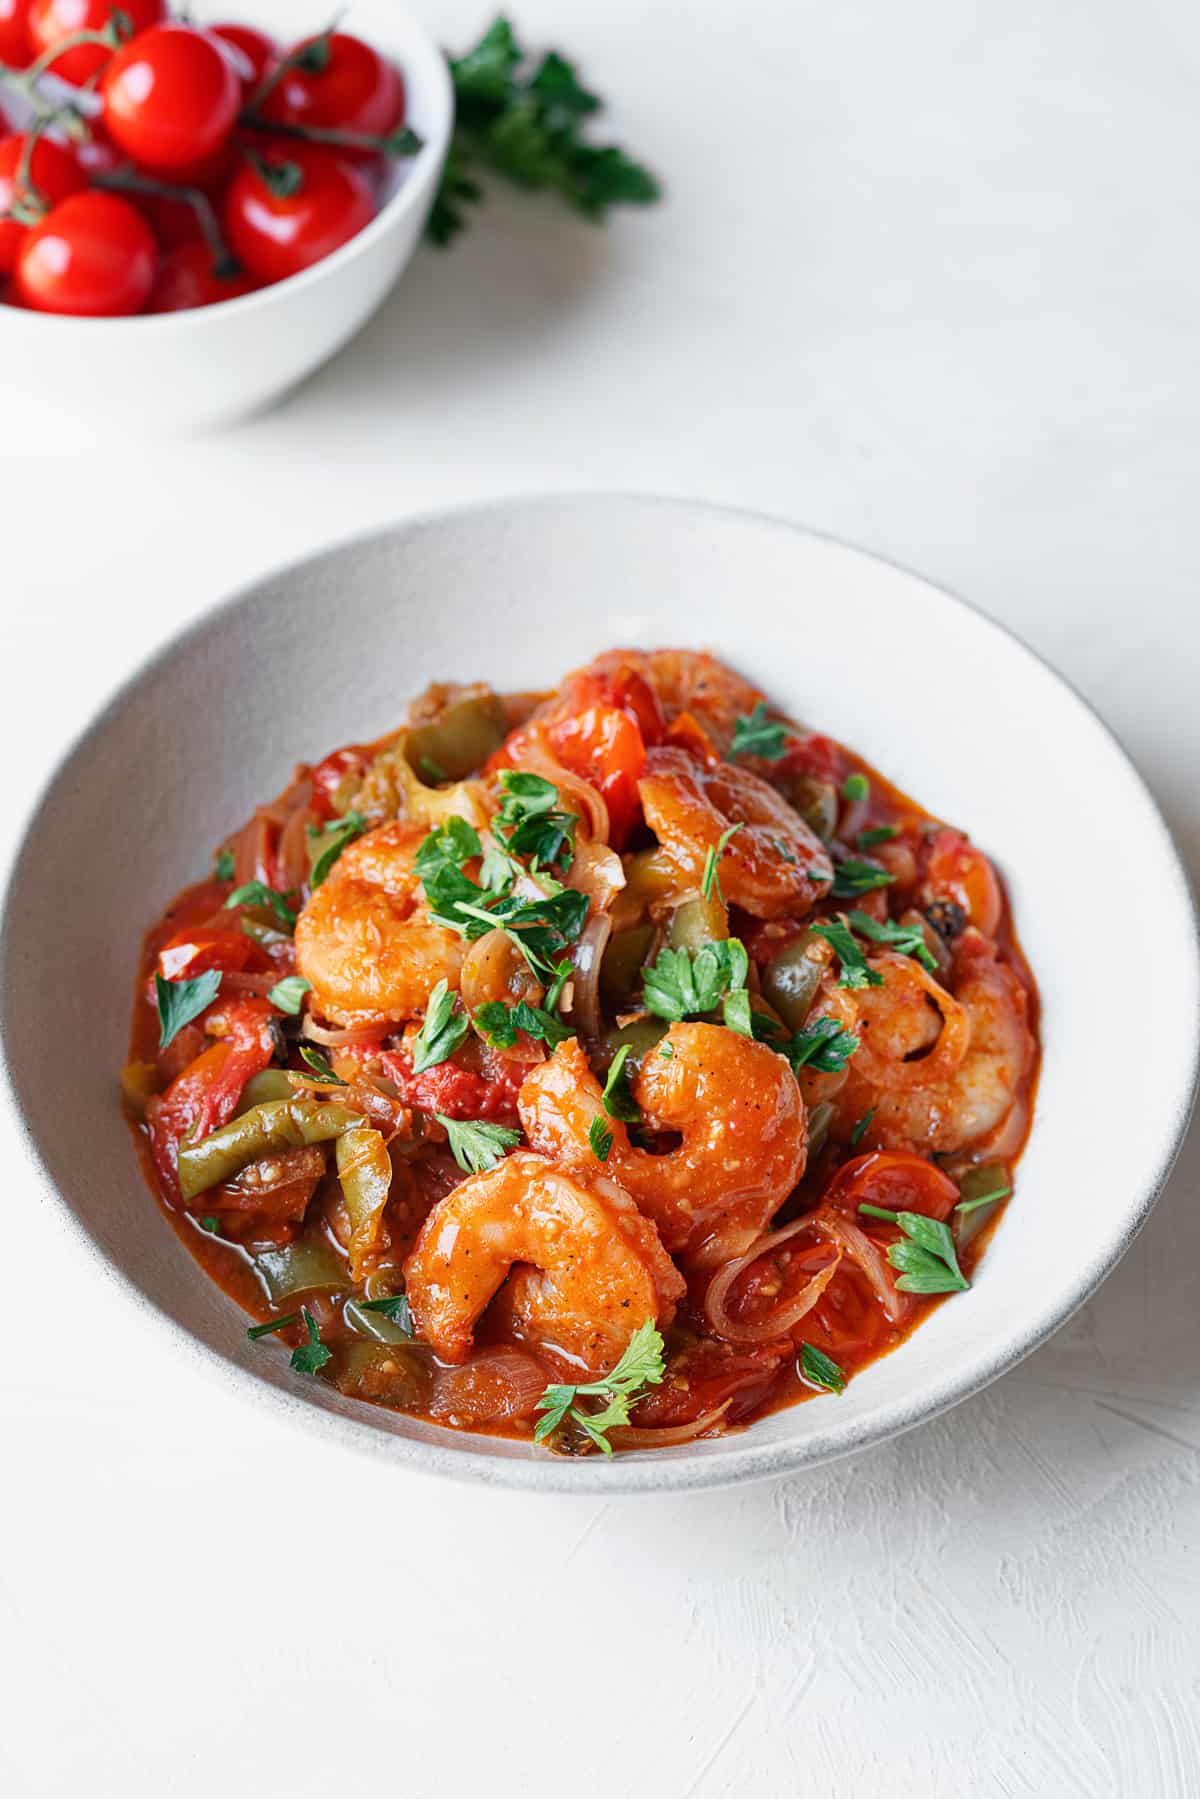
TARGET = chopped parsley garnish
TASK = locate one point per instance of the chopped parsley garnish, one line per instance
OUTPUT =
(211, 1224)
(856, 971)
(223, 866)
(736, 1014)
(640, 1367)
(683, 985)
(820, 1370)
(499, 1023)
(824, 1045)
(449, 846)
(861, 1128)
(288, 995)
(477, 1146)
(396, 1308)
(909, 939)
(983, 1199)
(759, 736)
(529, 822)
(313, 1355)
(925, 1255)
(541, 927)
(617, 1099)
(666, 1050)
(600, 1138)
(326, 843)
(866, 840)
(257, 893)
(180, 1001)
(275, 1324)
(320, 1065)
(712, 859)
(441, 1032)
(856, 787)
(852, 876)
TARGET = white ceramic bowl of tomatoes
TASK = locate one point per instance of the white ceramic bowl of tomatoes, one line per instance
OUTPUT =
(208, 210)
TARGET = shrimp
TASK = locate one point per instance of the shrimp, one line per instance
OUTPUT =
(735, 1104)
(940, 1069)
(774, 866)
(584, 1268)
(366, 939)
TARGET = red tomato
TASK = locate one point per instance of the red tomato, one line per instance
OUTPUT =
(329, 774)
(453, 1091)
(55, 173)
(277, 233)
(896, 1180)
(957, 871)
(259, 50)
(93, 256)
(195, 951)
(605, 747)
(170, 97)
(355, 90)
(16, 49)
(96, 156)
(187, 278)
(208, 1090)
(52, 20)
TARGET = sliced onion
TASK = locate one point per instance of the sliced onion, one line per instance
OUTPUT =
(867, 1256)
(636, 1436)
(597, 871)
(252, 851)
(779, 1322)
(495, 969)
(292, 853)
(588, 954)
(346, 1037)
(496, 1384)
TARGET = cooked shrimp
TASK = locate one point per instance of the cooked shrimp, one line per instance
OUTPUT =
(958, 875)
(366, 939)
(735, 1104)
(584, 1268)
(774, 865)
(941, 1069)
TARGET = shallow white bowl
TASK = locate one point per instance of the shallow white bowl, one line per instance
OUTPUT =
(177, 372)
(957, 712)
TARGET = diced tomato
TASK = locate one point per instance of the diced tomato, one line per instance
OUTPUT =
(894, 1179)
(456, 1092)
(706, 1375)
(329, 774)
(813, 755)
(207, 1092)
(196, 950)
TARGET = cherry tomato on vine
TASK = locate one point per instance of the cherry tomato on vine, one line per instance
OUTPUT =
(188, 278)
(355, 89)
(54, 172)
(171, 97)
(293, 205)
(260, 51)
(93, 255)
(52, 20)
(16, 46)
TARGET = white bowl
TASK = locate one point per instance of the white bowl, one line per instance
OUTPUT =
(960, 714)
(176, 372)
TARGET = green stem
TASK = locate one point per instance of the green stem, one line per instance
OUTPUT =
(126, 181)
(403, 142)
(879, 1212)
(110, 37)
(312, 57)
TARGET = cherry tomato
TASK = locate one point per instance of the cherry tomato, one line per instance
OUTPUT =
(92, 255)
(355, 90)
(275, 232)
(329, 774)
(260, 51)
(96, 156)
(55, 173)
(16, 48)
(187, 278)
(170, 97)
(897, 1180)
(52, 20)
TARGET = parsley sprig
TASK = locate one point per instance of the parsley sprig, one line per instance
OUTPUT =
(441, 1032)
(925, 1255)
(257, 893)
(824, 1045)
(641, 1366)
(287, 995)
(326, 843)
(820, 1370)
(530, 822)
(711, 878)
(852, 876)
(311, 1356)
(909, 939)
(525, 121)
(499, 1023)
(616, 1098)
(180, 1001)
(541, 927)
(759, 736)
(685, 985)
(477, 1146)
(856, 970)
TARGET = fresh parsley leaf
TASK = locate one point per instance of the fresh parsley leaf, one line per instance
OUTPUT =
(925, 1256)
(441, 1032)
(983, 1199)
(326, 843)
(477, 1146)
(396, 1308)
(618, 1100)
(683, 985)
(320, 1065)
(712, 860)
(641, 1366)
(666, 1050)
(861, 1128)
(211, 1225)
(866, 840)
(499, 1023)
(313, 1355)
(820, 1370)
(824, 1045)
(288, 995)
(735, 1013)
(600, 1138)
(908, 939)
(852, 876)
(449, 846)
(856, 787)
(273, 1325)
(180, 1001)
(759, 736)
(223, 866)
(856, 971)
(529, 822)
(257, 893)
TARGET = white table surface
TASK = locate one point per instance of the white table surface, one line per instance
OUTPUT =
(927, 279)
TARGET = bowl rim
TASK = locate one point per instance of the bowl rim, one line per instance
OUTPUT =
(422, 172)
(633, 1473)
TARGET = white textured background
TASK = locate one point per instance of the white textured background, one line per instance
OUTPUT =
(927, 279)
